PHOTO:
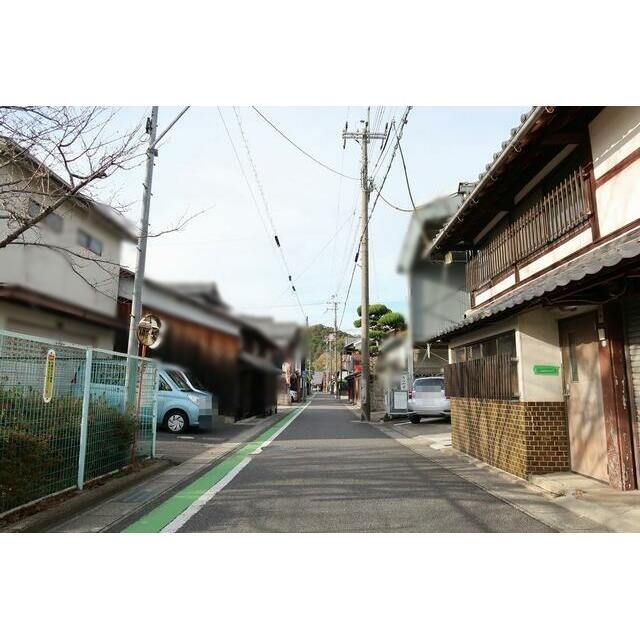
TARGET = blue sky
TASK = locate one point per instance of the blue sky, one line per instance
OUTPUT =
(196, 170)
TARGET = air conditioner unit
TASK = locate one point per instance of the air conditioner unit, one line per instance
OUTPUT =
(455, 256)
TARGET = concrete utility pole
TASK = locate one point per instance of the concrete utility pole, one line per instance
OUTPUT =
(363, 137)
(141, 258)
(334, 304)
(305, 380)
(327, 386)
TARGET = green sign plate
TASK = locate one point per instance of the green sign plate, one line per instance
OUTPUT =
(546, 369)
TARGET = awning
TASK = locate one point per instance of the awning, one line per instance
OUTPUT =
(259, 363)
(601, 257)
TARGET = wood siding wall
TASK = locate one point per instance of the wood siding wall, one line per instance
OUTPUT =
(211, 355)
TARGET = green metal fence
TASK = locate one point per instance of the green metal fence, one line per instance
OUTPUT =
(60, 427)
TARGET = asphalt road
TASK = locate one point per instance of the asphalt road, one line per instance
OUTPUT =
(180, 447)
(327, 472)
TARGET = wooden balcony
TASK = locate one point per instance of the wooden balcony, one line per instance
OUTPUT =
(556, 214)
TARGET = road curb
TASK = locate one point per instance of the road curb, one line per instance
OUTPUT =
(123, 508)
(508, 488)
(76, 504)
(173, 512)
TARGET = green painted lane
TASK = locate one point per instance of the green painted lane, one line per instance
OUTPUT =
(163, 514)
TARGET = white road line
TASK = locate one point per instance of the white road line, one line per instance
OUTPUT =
(191, 510)
(180, 520)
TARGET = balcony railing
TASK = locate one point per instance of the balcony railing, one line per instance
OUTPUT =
(557, 213)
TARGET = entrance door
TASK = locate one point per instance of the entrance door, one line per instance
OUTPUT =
(583, 395)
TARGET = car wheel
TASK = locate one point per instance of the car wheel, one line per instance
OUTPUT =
(176, 421)
(414, 419)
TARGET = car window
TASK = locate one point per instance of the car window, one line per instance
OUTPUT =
(178, 379)
(195, 382)
(429, 384)
(164, 385)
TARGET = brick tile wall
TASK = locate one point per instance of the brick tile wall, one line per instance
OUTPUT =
(522, 438)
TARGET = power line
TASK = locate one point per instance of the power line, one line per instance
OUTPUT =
(393, 206)
(284, 306)
(333, 253)
(333, 237)
(299, 148)
(406, 177)
(265, 204)
(398, 135)
(351, 237)
(319, 253)
(244, 175)
(346, 299)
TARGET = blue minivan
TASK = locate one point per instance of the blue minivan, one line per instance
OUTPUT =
(182, 400)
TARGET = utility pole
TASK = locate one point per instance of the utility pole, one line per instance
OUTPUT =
(363, 137)
(334, 304)
(327, 386)
(141, 258)
(335, 345)
(305, 381)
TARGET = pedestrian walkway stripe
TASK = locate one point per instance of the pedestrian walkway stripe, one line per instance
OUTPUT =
(191, 499)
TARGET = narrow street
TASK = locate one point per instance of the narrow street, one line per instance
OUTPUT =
(328, 472)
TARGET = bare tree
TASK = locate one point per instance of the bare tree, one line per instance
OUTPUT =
(57, 154)
(50, 156)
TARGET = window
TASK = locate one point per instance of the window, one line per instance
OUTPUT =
(496, 345)
(34, 209)
(89, 242)
(53, 221)
(195, 382)
(163, 385)
(429, 384)
(178, 379)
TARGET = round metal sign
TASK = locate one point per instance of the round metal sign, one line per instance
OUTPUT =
(150, 331)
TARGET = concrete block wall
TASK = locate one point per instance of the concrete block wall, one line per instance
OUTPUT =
(377, 394)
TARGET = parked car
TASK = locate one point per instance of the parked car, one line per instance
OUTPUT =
(427, 399)
(182, 400)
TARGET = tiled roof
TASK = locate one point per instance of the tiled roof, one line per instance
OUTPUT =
(526, 120)
(601, 257)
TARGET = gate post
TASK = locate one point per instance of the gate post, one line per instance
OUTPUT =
(84, 421)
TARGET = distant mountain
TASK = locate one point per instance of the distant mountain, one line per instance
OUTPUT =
(318, 334)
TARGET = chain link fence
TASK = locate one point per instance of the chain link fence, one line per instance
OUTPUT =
(69, 414)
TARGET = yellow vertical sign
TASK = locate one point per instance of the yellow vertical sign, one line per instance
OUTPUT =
(49, 375)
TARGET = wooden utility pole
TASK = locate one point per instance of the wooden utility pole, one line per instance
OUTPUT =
(363, 137)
